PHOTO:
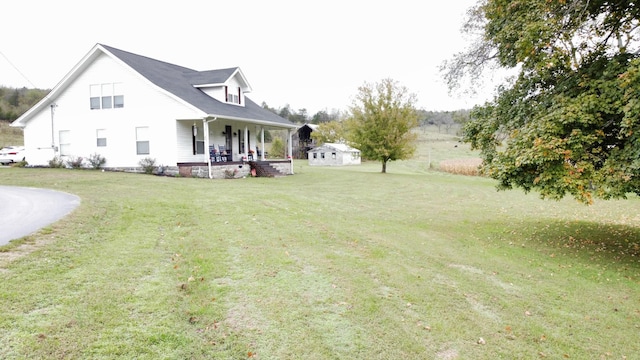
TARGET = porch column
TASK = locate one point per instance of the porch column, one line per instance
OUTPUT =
(205, 128)
(290, 149)
(262, 142)
(207, 156)
(246, 142)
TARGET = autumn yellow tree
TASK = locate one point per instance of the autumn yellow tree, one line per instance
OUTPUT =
(330, 132)
(381, 121)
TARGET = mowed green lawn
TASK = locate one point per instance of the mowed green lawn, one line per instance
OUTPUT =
(331, 263)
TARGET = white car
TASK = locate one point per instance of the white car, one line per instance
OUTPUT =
(11, 154)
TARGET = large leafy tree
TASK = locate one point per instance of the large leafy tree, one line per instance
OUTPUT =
(569, 122)
(330, 132)
(382, 121)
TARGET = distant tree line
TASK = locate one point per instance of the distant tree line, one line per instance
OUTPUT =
(302, 117)
(443, 120)
(15, 102)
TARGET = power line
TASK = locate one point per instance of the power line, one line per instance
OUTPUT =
(16, 69)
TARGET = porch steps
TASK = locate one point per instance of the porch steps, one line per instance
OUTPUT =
(264, 169)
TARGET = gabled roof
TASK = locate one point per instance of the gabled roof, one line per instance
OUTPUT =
(180, 82)
(219, 78)
(313, 127)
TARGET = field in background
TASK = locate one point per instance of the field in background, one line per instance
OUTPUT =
(9, 135)
(439, 151)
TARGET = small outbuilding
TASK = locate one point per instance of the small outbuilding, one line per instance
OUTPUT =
(331, 154)
(302, 140)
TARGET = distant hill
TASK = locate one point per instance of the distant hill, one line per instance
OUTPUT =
(14, 102)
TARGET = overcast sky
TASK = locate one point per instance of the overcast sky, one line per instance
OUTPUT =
(308, 54)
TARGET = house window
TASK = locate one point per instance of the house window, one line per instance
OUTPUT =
(333, 155)
(64, 138)
(106, 96)
(94, 96)
(142, 140)
(315, 155)
(199, 147)
(118, 95)
(231, 98)
(101, 136)
(321, 155)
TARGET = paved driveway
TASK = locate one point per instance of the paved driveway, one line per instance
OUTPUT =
(26, 210)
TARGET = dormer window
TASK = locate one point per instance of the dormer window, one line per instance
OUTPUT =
(231, 97)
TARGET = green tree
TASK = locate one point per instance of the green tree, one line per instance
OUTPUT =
(16, 101)
(278, 149)
(299, 117)
(320, 117)
(14, 98)
(324, 116)
(569, 122)
(382, 121)
(285, 112)
(330, 132)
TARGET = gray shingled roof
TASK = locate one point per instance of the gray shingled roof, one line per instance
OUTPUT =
(180, 82)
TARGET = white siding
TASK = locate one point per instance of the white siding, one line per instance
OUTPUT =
(144, 105)
(350, 157)
(218, 92)
(215, 92)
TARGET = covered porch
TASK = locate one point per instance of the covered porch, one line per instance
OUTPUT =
(217, 143)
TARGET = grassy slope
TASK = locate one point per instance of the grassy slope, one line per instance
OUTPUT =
(341, 263)
(9, 135)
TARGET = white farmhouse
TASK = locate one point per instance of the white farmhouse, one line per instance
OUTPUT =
(331, 154)
(127, 108)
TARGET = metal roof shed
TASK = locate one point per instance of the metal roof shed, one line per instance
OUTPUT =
(331, 154)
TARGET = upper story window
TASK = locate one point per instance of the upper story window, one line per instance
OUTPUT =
(106, 96)
(231, 96)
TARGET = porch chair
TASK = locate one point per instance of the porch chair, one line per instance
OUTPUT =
(216, 155)
(212, 153)
(223, 153)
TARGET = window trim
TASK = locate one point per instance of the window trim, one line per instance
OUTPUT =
(142, 139)
(64, 147)
(106, 96)
(100, 132)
